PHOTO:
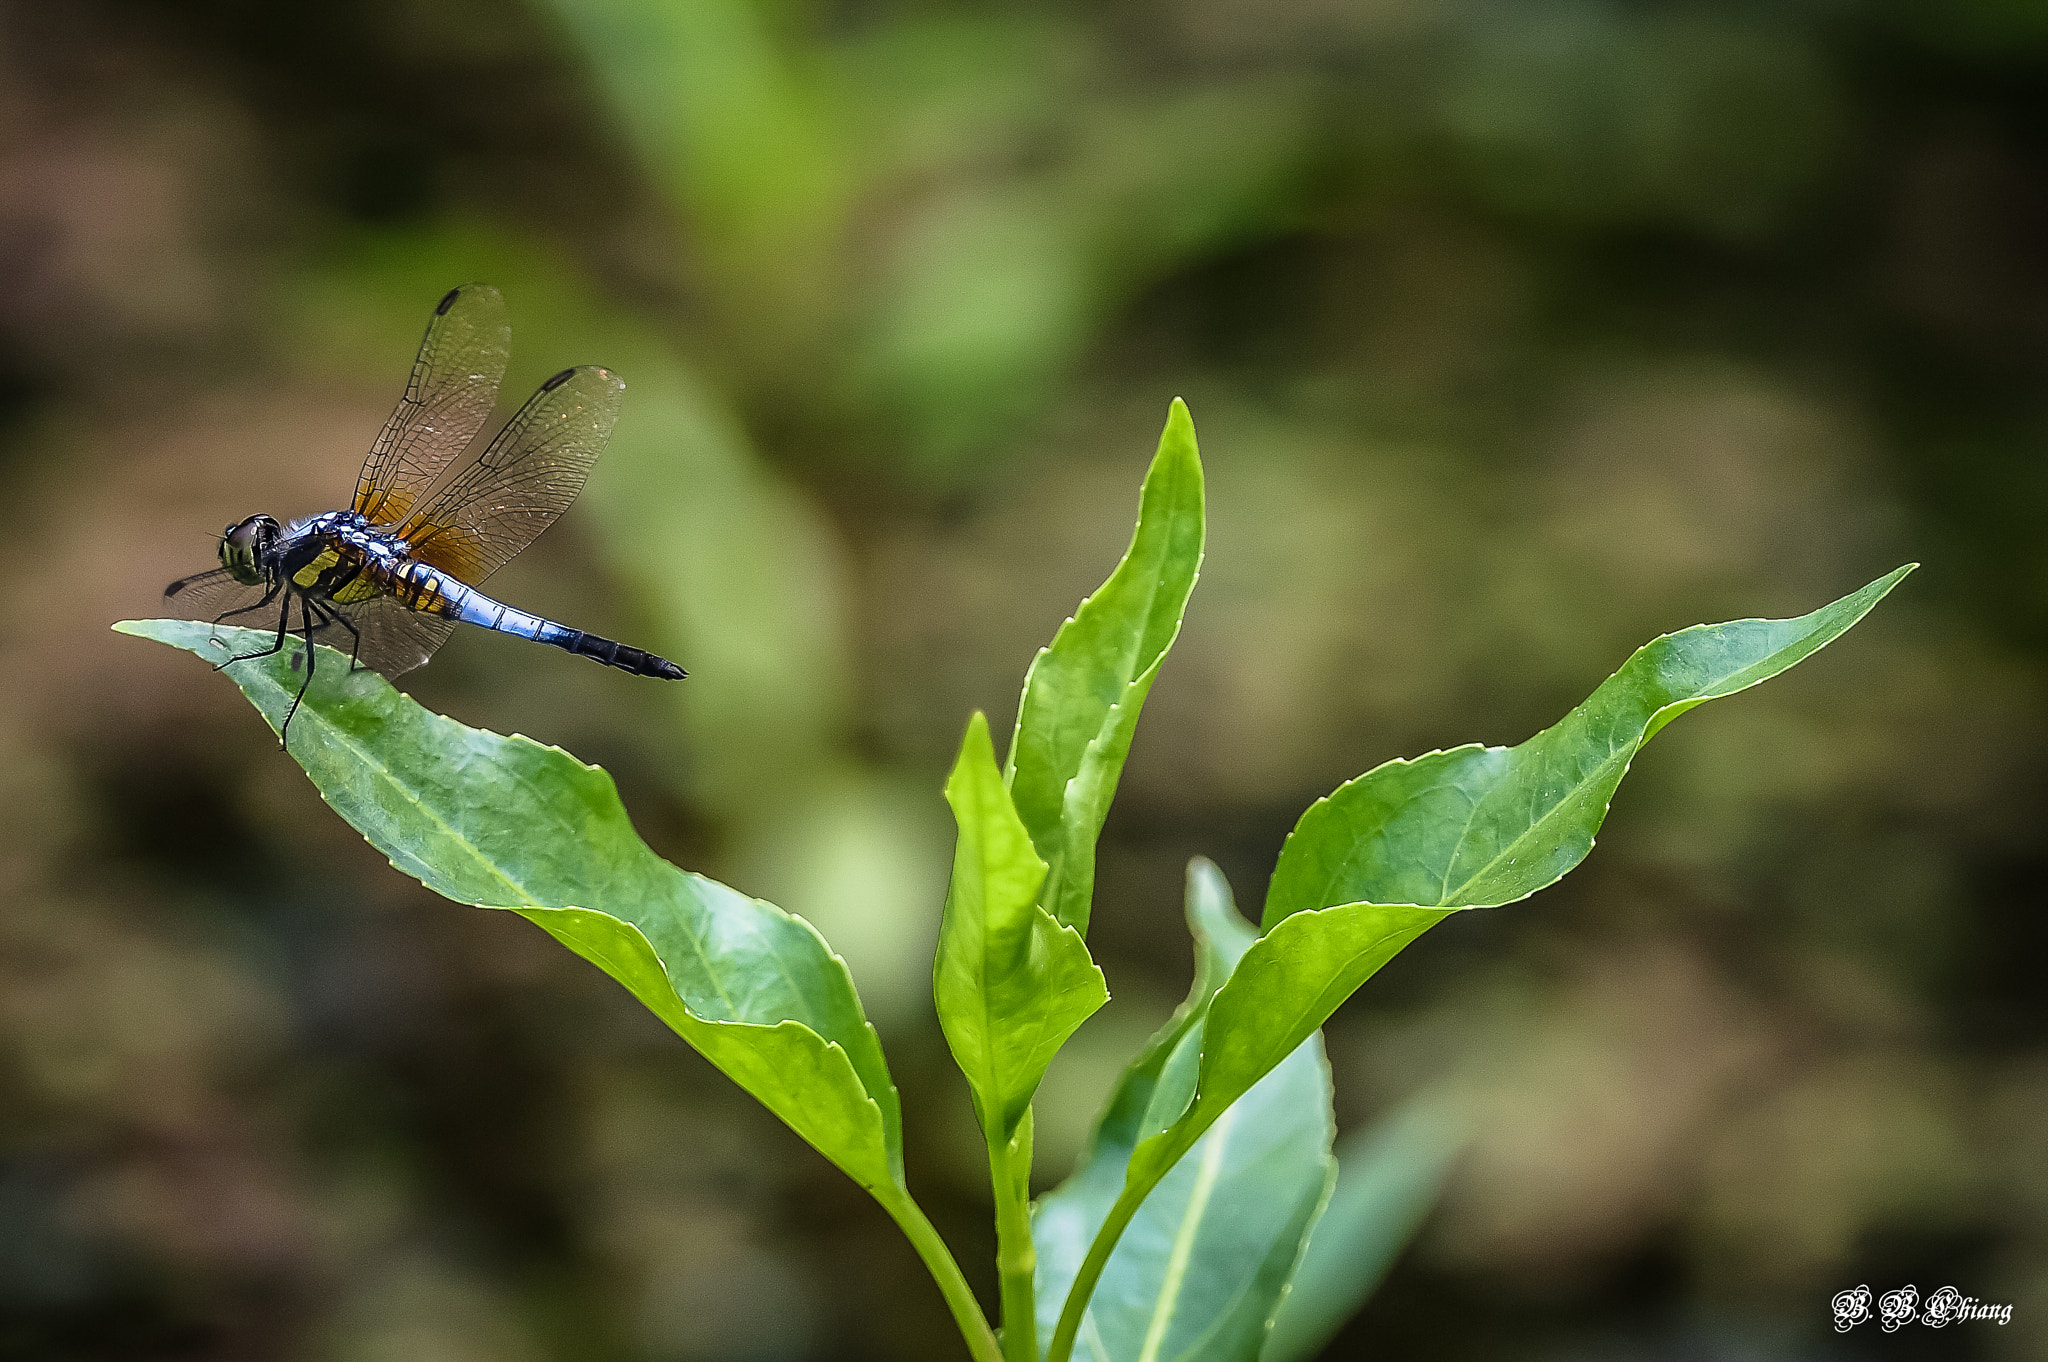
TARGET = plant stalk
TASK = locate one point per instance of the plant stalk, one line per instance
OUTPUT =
(1009, 1169)
(945, 1270)
(1113, 1225)
(1104, 1244)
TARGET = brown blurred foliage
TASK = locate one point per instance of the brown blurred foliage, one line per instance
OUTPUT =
(1516, 334)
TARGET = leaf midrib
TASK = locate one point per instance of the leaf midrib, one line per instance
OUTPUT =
(1206, 1175)
(980, 965)
(1623, 754)
(1130, 672)
(1128, 675)
(384, 771)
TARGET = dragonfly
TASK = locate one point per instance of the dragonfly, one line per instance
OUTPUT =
(389, 579)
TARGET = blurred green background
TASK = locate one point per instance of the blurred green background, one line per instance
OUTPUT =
(1516, 334)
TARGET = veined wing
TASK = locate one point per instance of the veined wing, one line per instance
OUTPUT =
(217, 598)
(394, 640)
(453, 387)
(387, 637)
(523, 480)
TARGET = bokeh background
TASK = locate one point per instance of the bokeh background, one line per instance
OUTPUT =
(1516, 333)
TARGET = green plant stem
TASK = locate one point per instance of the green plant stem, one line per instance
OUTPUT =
(939, 1261)
(1091, 1271)
(1009, 1169)
(1113, 1225)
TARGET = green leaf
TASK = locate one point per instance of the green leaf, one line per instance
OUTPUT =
(1394, 852)
(509, 823)
(1010, 982)
(1206, 1261)
(1477, 827)
(1388, 1176)
(1084, 691)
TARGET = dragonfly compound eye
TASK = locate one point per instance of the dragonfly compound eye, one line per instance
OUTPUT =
(241, 549)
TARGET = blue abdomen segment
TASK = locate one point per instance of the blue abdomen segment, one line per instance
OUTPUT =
(473, 607)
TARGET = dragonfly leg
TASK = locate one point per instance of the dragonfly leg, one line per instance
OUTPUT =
(306, 616)
(331, 615)
(268, 597)
(283, 629)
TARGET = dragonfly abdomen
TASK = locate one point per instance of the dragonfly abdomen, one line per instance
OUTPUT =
(471, 606)
(615, 654)
(363, 561)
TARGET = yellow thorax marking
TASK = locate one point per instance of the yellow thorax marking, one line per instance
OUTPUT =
(310, 573)
(361, 589)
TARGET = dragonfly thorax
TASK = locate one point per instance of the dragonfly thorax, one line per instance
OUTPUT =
(246, 548)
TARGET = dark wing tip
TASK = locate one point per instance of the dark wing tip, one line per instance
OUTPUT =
(611, 380)
(481, 292)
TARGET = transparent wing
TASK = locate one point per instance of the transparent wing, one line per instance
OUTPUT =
(217, 598)
(387, 637)
(523, 481)
(394, 640)
(453, 387)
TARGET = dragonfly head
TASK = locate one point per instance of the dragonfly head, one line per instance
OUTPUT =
(244, 547)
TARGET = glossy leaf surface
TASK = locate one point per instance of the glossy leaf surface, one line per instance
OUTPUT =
(510, 823)
(1085, 689)
(1011, 983)
(1204, 1264)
